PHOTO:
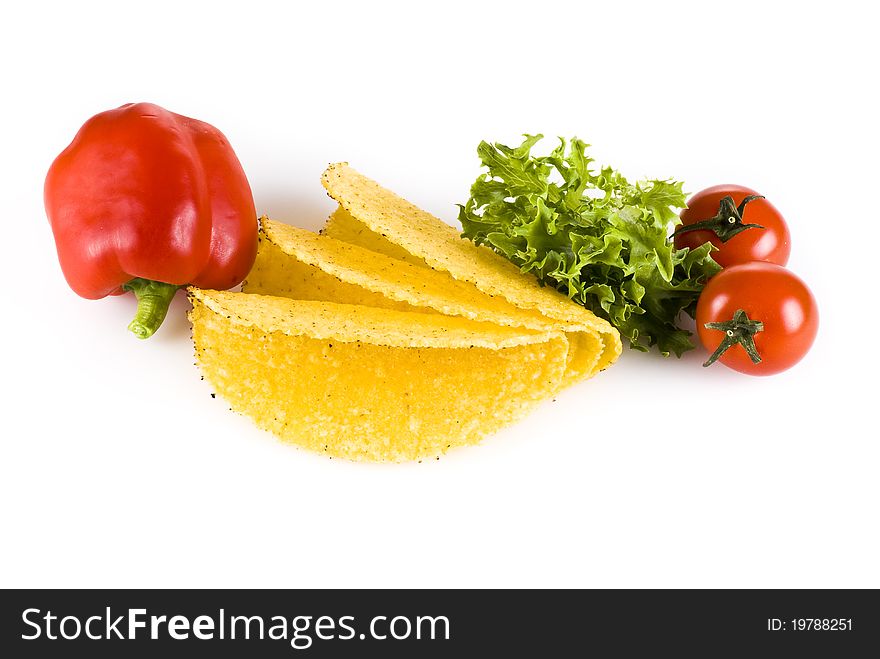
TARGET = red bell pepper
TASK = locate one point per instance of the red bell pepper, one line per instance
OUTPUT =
(148, 201)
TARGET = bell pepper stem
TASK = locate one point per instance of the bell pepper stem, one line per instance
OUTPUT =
(153, 299)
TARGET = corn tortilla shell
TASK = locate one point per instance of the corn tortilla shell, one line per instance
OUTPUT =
(367, 383)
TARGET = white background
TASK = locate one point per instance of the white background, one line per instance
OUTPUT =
(117, 468)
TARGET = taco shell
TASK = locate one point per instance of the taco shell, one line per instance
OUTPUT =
(370, 383)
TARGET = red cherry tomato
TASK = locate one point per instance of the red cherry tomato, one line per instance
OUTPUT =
(772, 243)
(769, 295)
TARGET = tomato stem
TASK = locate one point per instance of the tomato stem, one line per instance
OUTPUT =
(153, 298)
(740, 330)
(728, 222)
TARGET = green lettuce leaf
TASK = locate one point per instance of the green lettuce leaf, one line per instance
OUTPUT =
(592, 235)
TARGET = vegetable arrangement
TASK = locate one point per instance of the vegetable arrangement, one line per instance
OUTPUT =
(350, 341)
(605, 243)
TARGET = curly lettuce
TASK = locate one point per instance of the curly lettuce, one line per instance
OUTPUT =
(592, 235)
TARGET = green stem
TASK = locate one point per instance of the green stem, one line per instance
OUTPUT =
(741, 330)
(153, 299)
(728, 222)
